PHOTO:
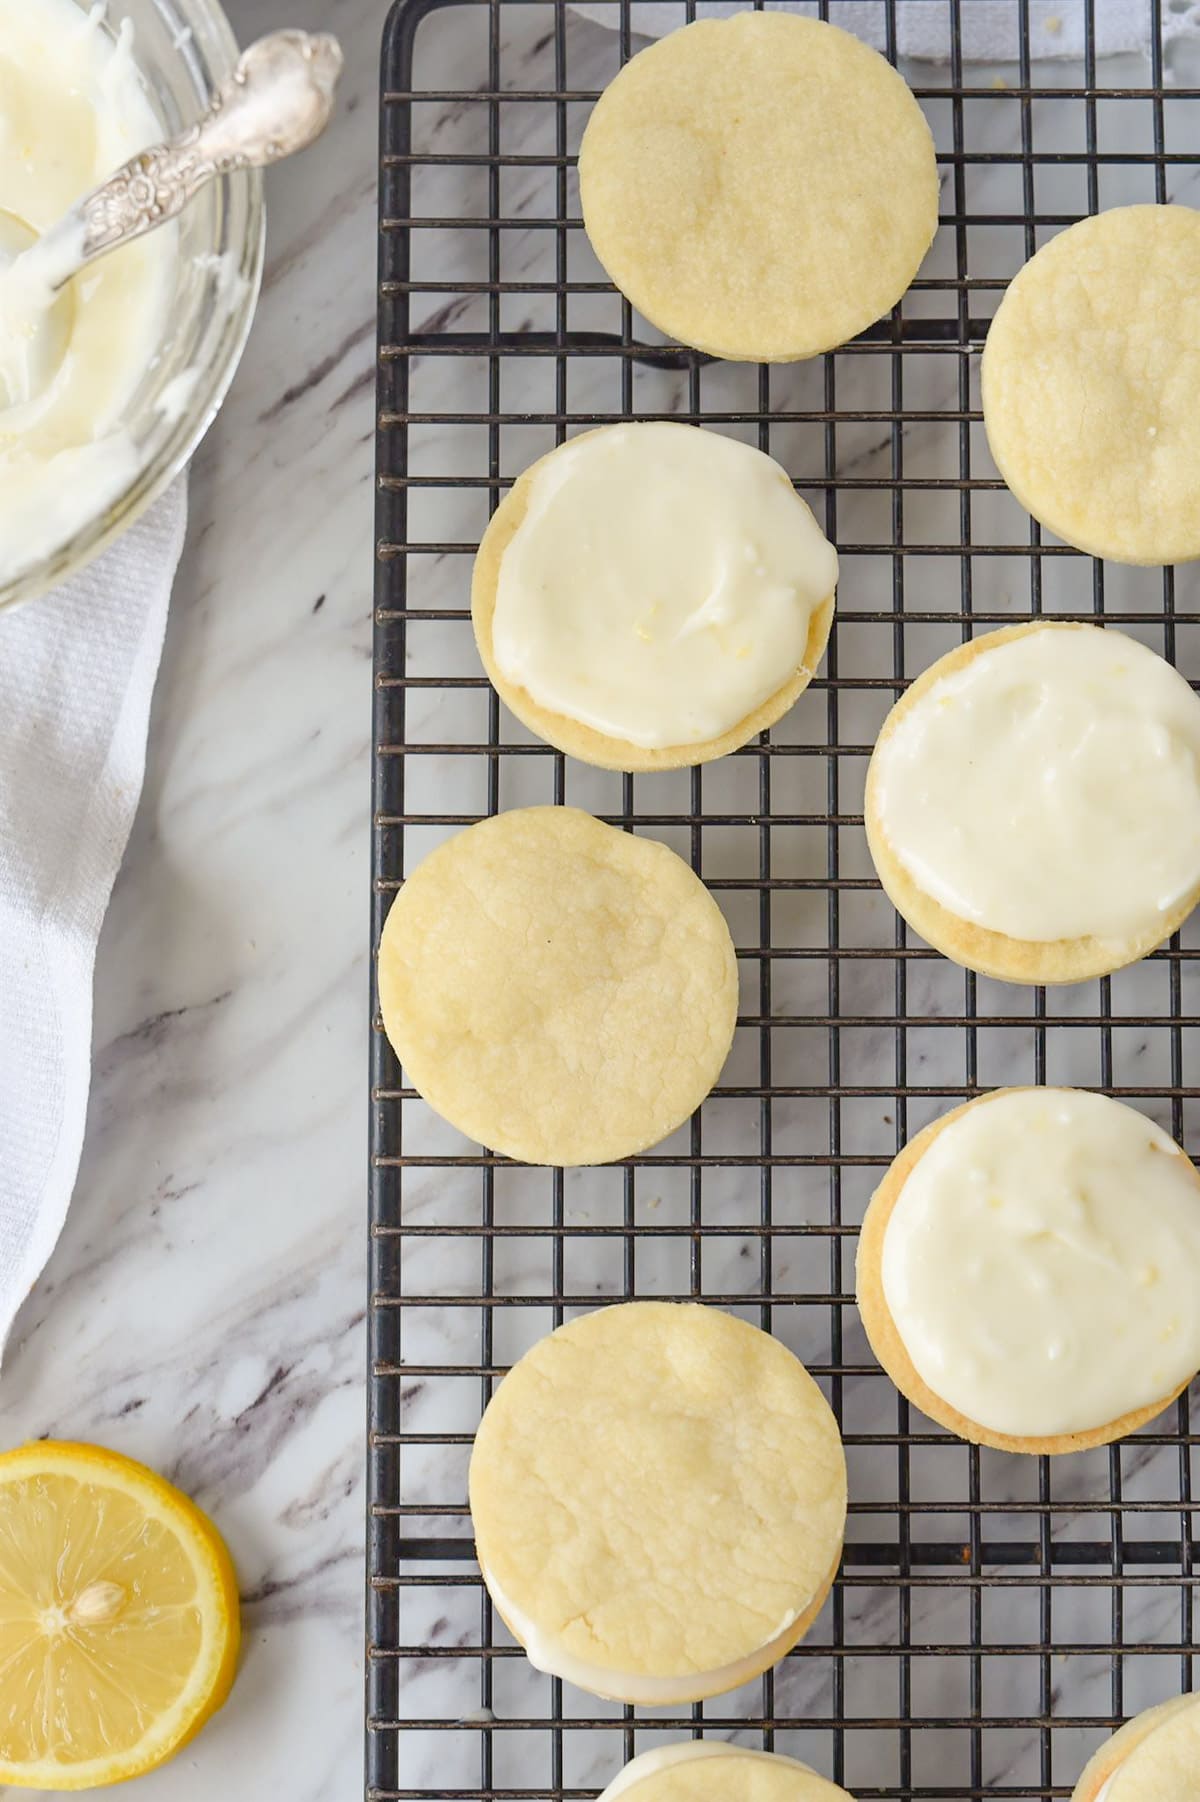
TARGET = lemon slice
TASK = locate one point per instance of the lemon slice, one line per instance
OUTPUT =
(118, 1617)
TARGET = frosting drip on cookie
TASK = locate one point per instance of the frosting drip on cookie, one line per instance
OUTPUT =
(547, 1653)
(1042, 1263)
(1049, 788)
(661, 584)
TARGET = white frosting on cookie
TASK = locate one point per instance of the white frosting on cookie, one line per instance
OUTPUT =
(1050, 788)
(1042, 1263)
(661, 584)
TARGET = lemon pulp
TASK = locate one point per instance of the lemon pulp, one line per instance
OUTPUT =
(118, 1617)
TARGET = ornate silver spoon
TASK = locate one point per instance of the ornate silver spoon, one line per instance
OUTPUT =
(277, 101)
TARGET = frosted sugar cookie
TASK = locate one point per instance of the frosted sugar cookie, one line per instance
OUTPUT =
(559, 991)
(1028, 1270)
(1033, 803)
(650, 595)
(761, 187)
(1154, 1758)
(709, 1770)
(1090, 376)
(659, 1493)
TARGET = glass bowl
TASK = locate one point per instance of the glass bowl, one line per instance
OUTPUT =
(185, 49)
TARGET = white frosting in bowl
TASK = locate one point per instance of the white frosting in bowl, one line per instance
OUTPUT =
(72, 109)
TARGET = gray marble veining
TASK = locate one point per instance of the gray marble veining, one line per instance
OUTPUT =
(204, 1307)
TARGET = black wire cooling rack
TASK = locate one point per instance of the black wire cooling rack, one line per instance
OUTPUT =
(995, 1617)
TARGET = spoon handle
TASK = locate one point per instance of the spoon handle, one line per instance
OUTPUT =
(277, 101)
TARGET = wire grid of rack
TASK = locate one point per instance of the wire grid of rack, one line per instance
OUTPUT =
(995, 1617)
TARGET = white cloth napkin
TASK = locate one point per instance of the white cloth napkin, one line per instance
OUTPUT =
(77, 671)
(990, 28)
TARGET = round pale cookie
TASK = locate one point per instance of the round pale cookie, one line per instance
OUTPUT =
(558, 990)
(1023, 1277)
(761, 188)
(767, 596)
(1090, 375)
(1155, 1757)
(659, 1495)
(710, 1770)
(1100, 843)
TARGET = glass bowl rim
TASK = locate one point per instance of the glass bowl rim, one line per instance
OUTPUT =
(220, 53)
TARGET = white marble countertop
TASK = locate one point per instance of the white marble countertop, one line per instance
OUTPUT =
(204, 1309)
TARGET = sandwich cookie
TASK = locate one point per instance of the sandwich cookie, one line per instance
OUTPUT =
(652, 595)
(762, 187)
(1153, 1758)
(1028, 1270)
(709, 1770)
(1089, 382)
(1033, 803)
(558, 990)
(658, 1492)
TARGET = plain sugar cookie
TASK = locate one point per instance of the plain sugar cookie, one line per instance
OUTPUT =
(1090, 376)
(558, 990)
(658, 1492)
(762, 188)
(710, 1770)
(651, 595)
(1027, 1270)
(1153, 1758)
(1033, 803)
